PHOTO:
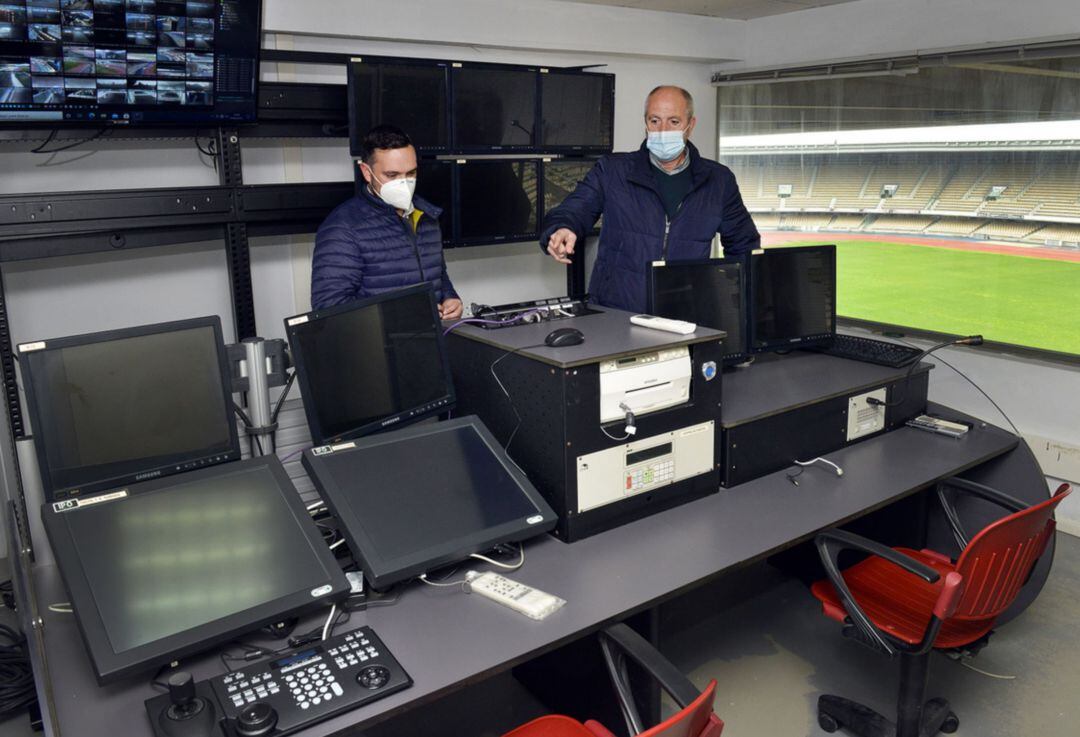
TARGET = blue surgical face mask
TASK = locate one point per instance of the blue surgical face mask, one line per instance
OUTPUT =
(666, 145)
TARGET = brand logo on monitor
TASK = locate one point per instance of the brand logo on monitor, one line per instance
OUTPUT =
(391, 421)
(147, 475)
(69, 504)
(321, 591)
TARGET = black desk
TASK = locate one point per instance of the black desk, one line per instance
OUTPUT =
(447, 639)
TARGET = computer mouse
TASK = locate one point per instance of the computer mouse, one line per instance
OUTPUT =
(564, 337)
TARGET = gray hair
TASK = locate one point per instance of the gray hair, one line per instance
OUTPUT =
(686, 96)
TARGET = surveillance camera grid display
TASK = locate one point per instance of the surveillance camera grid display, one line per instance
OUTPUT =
(111, 58)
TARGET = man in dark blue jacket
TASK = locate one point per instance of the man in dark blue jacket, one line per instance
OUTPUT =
(384, 238)
(661, 202)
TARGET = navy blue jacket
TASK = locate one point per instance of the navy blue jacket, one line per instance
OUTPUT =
(622, 188)
(364, 248)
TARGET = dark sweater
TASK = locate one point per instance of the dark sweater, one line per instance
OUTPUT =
(673, 188)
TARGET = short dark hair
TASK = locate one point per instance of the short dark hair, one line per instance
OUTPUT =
(382, 138)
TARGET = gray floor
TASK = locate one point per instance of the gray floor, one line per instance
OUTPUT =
(773, 654)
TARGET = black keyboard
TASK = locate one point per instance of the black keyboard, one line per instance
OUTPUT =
(871, 350)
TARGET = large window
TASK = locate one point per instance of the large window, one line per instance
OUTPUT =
(952, 192)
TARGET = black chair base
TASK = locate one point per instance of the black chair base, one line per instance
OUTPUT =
(835, 712)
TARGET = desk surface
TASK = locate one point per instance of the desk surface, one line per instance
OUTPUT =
(446, 639)
(608, 334)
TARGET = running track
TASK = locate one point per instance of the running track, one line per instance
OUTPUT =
(770, 238)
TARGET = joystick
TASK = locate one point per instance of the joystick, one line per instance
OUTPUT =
(188, 714)
(256, 720)
(373, 677)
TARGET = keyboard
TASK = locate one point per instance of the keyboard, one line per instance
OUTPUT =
(871, 350)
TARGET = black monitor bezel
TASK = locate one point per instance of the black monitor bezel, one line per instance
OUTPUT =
(303, 378)
(745, 317)
(356, 135)
(29, 351)
(249, 118)
(381, 572)
(791, 342)
(580, 149)
(109, 665)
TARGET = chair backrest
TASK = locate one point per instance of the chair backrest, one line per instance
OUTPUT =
(998, 560)
(696, 720)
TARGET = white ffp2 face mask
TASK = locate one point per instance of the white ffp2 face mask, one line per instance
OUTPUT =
(397, 193)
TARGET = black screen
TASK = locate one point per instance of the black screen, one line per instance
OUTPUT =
(709, 294)
(434, 184)
(106, 62)
(494, 108)
(108, 410)
(361, 365)
(498, 200)
(168, 561)
(576, 110)
(411, 97)
(794, 296)
(404, 506)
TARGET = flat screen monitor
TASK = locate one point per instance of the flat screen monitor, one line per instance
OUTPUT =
(413, 500)
(434, 182)
(116, 407)
(499, 201)
(577, 111)
(561, 177)
(168, 568)
(128, 62)
(494, 108)
(708, 292)
(793, 295)
(372, 364)
(413, 97)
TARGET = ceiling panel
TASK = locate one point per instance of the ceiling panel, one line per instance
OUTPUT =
(733, 9)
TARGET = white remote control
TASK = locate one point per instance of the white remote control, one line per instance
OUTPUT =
(531, 602)
(663, 323)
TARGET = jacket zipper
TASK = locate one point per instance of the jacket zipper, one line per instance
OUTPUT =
(667, 229)
(415, 237)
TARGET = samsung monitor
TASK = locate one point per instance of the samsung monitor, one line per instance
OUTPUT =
(128, 62)
(577, 111)
(167, 568)
(417, 499)
(708, 292)
(793, 297)
(494, 108)
(498, 201)
(372, 364)
(434, 182)
(412, 96)
(121, 406)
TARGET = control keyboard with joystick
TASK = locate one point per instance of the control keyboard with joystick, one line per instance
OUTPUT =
(293, 691)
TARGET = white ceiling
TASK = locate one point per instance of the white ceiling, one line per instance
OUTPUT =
(733, 9)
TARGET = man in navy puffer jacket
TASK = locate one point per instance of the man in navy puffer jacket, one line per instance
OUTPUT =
(663, 201)
(383, 238)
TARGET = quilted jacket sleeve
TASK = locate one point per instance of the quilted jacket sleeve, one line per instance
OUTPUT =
(580, 210)
(337, 268)
(738, 234)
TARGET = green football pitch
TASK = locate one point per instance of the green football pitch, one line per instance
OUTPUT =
(1008, 298)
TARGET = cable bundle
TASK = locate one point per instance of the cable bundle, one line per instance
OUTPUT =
(16, 678)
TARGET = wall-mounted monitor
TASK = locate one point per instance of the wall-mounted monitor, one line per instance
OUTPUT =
(372, 364)
(403, 518)
(412, 96)
(115, 407)
(128, 62)
(793, 297)
(561, 177)
(171, 567)
(494, 108)
(707, 292)
(434, 182)
(498, 200)
(577, 111)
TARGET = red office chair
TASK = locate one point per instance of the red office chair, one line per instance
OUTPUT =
(907, 602)
(619, 642)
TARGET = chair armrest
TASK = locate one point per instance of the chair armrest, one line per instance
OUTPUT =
(971, 488)
(641, 651)
(830, 544)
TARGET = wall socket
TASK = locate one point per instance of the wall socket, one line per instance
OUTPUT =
(862, 418)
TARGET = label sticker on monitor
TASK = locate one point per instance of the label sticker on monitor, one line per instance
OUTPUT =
(27, 347)
(297, 320)
(343, 446)
(322, 450)
(321, 591)
(535, 519)
(69, 504)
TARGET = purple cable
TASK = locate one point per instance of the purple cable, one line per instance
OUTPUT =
(292, 455)
(515, 318)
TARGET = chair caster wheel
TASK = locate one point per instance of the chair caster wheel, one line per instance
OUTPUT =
(951, 724)
(827, 723)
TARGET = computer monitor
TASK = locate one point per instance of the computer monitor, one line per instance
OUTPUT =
(133, 62)
(168, 568)
(577, 111)
(494, 108)
(417, 499)
(372, 364)
(498, 201)
(435, 183)
(412, 96)
(120, 406)
(708, 292)
(793, 295)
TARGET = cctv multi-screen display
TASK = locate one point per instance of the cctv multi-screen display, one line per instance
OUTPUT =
(128, 62)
